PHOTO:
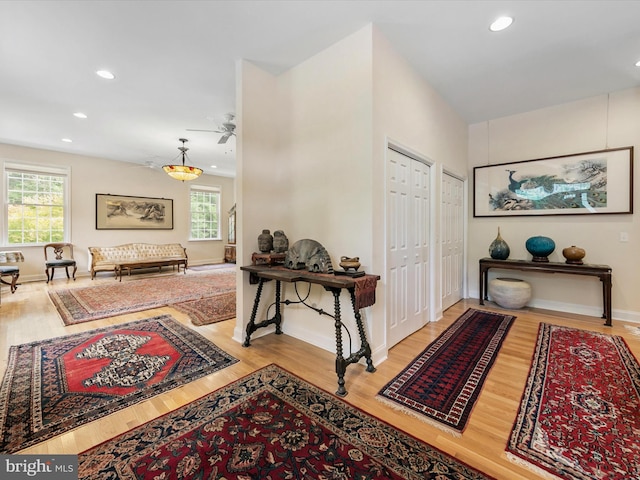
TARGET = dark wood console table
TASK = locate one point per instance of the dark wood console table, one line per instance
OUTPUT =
(332, 283)
(603, 272)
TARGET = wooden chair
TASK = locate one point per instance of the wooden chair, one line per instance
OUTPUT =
(14, 273)
(61, 256)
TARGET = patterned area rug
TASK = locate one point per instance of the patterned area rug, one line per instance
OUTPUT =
(441, 385)
(580, 412)
(269, 424)
(58, 384)
(210, 309)
(78, 305)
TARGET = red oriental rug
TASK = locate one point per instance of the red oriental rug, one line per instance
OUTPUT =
(441, 385)
(268, 425)
(580, 412)
(55, 385)
(78, 305)
(209, 309)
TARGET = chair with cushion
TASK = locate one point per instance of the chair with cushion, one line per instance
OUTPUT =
(58, 255)
(14, 273)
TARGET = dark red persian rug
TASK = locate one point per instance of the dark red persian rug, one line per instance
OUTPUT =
(78, 305)
(58, 384)
(580, 412)
(268, 425)
(441, 385)
(209, 309)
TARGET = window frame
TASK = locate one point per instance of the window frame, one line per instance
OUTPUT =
(208, 189)
(64, 172)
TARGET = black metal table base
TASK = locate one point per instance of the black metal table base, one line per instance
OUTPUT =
(341, 362)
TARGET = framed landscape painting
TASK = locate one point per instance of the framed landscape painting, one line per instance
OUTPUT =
(582, 183)
(122, 212)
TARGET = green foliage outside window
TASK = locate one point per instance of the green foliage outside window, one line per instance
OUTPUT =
(205, 215)
(35, 210)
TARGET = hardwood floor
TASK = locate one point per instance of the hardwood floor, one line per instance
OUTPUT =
(29, 315)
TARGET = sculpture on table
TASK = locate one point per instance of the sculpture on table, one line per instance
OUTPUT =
(280, 242)
(265, 241)
(310, 255)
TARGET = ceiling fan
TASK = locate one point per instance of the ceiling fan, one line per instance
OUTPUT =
(227, 129)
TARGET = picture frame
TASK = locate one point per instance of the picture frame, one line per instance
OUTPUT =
(232, 226)
(597, 182)
(124, 212)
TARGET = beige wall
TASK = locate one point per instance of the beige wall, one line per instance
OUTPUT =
(588, 125)
(91, 175)
(326, 124)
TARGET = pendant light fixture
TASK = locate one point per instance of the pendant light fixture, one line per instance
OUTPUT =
(182, 172)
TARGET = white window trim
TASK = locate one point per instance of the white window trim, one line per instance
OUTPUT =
(206, 188)
(13, 165)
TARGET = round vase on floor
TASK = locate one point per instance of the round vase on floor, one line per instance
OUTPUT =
(540, 248)
(510, 293)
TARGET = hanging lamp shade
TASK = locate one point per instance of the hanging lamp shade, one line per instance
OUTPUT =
(182, 172)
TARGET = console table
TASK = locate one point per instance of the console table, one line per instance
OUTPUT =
(333, 283)
(603, 272)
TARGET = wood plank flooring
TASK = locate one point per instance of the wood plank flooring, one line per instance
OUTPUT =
(29, 315)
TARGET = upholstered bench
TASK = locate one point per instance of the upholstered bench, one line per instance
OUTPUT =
(136, 255)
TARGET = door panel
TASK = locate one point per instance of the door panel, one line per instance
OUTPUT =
(452, 239)
(408, 183)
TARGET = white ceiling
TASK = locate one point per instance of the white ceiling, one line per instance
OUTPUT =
(175, 63)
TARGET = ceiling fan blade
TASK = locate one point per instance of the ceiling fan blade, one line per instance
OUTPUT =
(224, 138)
(195, 130)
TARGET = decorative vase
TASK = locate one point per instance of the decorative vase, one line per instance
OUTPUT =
(574, 255)
(510, 293)
(499, 249)
(265, 241)
(540, 248)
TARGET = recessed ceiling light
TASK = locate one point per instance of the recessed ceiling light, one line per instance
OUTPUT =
(105, 74)
(80, 115)
(214, 166)
(67, 140)
(500, 24)
(638, 63)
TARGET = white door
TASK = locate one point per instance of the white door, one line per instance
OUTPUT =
(407, 246)
(452, 235)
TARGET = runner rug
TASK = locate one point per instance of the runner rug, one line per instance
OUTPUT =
(580, 412)
(58, 384)
(78, 305)
(441, 385)
(268, 425)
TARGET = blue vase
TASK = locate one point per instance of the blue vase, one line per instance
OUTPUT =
(499, 249)
(540, 248)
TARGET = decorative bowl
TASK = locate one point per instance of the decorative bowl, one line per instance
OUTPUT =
(540, 248)
(574, 255)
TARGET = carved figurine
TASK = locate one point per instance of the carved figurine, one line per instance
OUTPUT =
(308, 254)
(265, 241)
(280, 242)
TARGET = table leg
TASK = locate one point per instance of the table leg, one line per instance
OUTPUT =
(252, 326)
(365, 349)
(341, 363)
(481, 285)
(606, 299)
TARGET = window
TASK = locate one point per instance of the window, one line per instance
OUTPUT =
(205, 213)
(36, 204)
